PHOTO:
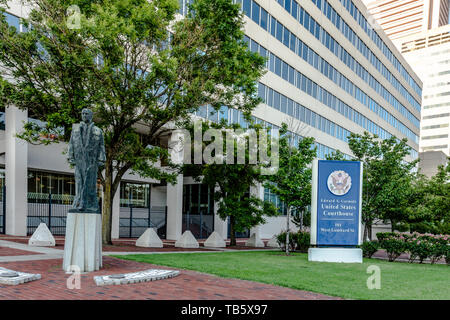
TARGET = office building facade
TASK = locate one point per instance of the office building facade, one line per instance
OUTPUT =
(329, 74)
(405, 17)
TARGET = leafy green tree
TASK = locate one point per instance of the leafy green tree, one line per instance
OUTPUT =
(429, 205)
(292, 182)
(233, 182)
(118, 59)
(387, 178)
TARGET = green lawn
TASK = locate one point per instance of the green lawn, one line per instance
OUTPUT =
(398, 280)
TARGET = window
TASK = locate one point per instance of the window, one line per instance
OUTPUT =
(254, 46)
(305, 53)
(12, 21)
(263, 22)
(290, 108)
(308, 116)
(273, 26)
(262, 51)
(313, 119)
(306, 21)
(309, 87)
(279, 31)
(286, 37)
(292, 45)
(276, 103)
(247, 7)
(283, 104)
(285, 75)
(294, 9)
(261, 91)
(270, 98)
(255, 12)
(223, 113)
(299, 50)
(278, 66)
(291, 75)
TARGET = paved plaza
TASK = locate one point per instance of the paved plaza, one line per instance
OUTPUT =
(188, 285)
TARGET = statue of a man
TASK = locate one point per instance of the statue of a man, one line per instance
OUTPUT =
(87, 153)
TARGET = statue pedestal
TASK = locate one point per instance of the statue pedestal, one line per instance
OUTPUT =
(83, 244)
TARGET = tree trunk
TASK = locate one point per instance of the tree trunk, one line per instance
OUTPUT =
(287, 229)
(232, 232)
(365, 233)
(107, 204)
(301, 220)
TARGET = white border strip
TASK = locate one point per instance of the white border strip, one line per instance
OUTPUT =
(360, 201)
(315, 176)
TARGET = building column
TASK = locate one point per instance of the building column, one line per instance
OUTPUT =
(16, 165)
(220, 226)
(175, 192)
(115, 224)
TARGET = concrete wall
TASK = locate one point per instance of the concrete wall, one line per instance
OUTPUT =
(430, 160)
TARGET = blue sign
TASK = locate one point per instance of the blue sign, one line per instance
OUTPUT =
(337, 203)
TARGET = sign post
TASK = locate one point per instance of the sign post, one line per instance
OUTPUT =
(336, 211)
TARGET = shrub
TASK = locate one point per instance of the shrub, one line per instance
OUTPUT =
(369, 248)
(303, 241)
(281, 239)
(439, 246)
(418, 247)
(393, 243)
(447, 254)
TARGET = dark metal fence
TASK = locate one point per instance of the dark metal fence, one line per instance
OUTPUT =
(3, 210)
(201, 225)
(48, 209)
(135, 220)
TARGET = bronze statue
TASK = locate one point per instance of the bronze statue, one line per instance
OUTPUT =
(87, 153)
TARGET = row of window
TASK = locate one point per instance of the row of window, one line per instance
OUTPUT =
(442, 115)
(275, 199)
(442, 94)
(282, 103)
(442, 146)
(231, 115)
(288, 73)
(373, 35)
(336, 19)
(441, 136)
(435, 126)
(445, 104)
(285, 71)
(280, 32)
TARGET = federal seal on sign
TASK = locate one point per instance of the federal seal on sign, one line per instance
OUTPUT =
(339, 182)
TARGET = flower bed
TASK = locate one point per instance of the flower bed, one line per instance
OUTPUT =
(419, 246)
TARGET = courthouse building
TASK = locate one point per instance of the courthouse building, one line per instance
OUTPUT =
(329, 74)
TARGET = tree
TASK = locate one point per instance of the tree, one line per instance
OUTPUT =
(118, 58)
(232, 182)
(429, 205)
(387, 178)
(292, 182)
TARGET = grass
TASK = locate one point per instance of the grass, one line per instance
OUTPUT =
(398, 280)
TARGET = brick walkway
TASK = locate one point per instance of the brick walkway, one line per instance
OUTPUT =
(4, 251)
(189, 285)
